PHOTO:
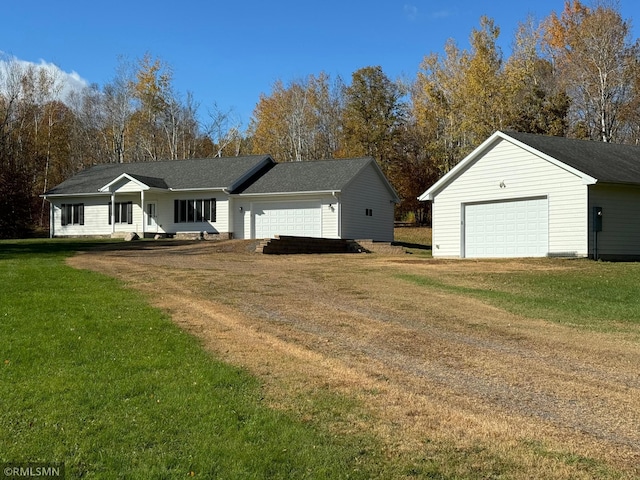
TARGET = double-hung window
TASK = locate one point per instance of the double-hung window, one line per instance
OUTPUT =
(123, 212)
(72, 214)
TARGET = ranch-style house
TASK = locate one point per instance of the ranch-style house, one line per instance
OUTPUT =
(236, 197)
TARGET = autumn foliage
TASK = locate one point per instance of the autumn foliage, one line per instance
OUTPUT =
(574, 74)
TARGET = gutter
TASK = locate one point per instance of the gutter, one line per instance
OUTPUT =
(318, 192)
(202, 189)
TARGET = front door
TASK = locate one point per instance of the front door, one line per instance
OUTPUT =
(152, 225)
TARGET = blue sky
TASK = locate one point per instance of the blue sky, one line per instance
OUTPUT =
(230, 52)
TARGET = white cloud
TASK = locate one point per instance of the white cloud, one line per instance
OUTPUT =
(442, 14)
(68, 81)
(411, 11)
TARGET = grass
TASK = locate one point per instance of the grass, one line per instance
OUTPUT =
(594, 295)
(415, 240)
(95, 378)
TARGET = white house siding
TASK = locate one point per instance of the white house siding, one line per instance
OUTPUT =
(244, 208)
(522, 175)
(127, 186)
(367, 192)
(96, 213)
(620, 235)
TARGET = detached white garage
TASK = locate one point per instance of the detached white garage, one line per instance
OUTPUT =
(525, 195)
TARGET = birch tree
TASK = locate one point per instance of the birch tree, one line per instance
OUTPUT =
(592, 50)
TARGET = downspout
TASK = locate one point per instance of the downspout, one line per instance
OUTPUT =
(339, 205)
(113, 213)
(52, 223)
(230, 217)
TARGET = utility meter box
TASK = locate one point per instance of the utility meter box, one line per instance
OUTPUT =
(597, 219)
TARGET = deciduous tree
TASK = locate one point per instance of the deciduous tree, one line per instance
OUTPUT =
(299, 121)
(594, 55)
(374, 112)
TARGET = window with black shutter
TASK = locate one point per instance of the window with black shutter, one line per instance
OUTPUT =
(194, 210)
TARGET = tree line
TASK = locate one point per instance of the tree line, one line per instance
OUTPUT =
(575, 73)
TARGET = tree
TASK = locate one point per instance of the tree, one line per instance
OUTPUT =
(19, 160)
(460, 99)
(372, 117)
(592, 50)
(224, 131)
(299, 121)
(438, 108)
(154, 120)
(118, 109)
(536, 100)
(483, 96)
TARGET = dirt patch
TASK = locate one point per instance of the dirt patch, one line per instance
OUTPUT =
(427, 369)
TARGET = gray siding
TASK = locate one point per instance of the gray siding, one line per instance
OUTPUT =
(367, 191)
(620, 235)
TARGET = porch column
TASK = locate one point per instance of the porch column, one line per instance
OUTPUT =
(144, 214)
(52, 223)
(113, 212)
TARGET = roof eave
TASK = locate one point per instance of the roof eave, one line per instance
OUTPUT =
(199, 189)
(82, 194)
(123, 176)
(452, 174)
(310, 192)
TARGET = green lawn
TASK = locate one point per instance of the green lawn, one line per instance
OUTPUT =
(594, 295)
(95, 378)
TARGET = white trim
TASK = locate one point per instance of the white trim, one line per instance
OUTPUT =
(89, 194)
(107, 187)
(202, 189)
(269, 194)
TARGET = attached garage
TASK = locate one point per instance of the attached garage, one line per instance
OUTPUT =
(303, 219)
(512, 228)
(347, 198)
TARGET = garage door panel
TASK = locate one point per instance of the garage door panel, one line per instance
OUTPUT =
(506, 229)
(296, 219)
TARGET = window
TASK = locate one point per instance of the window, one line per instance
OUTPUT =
(123, 213)
(72, 214)
(198, 210)
(369, 212)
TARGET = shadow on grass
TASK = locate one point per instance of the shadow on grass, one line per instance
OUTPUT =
(12, 249)
(417, 246)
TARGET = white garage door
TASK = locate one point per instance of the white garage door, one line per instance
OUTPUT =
(518, 228)
(302, 219)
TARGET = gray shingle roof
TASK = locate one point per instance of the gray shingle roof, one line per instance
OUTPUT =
(607, 162)
(176, 174)
(316, 176)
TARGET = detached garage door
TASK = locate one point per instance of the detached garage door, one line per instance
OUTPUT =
(518, 228)
(302, 219)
